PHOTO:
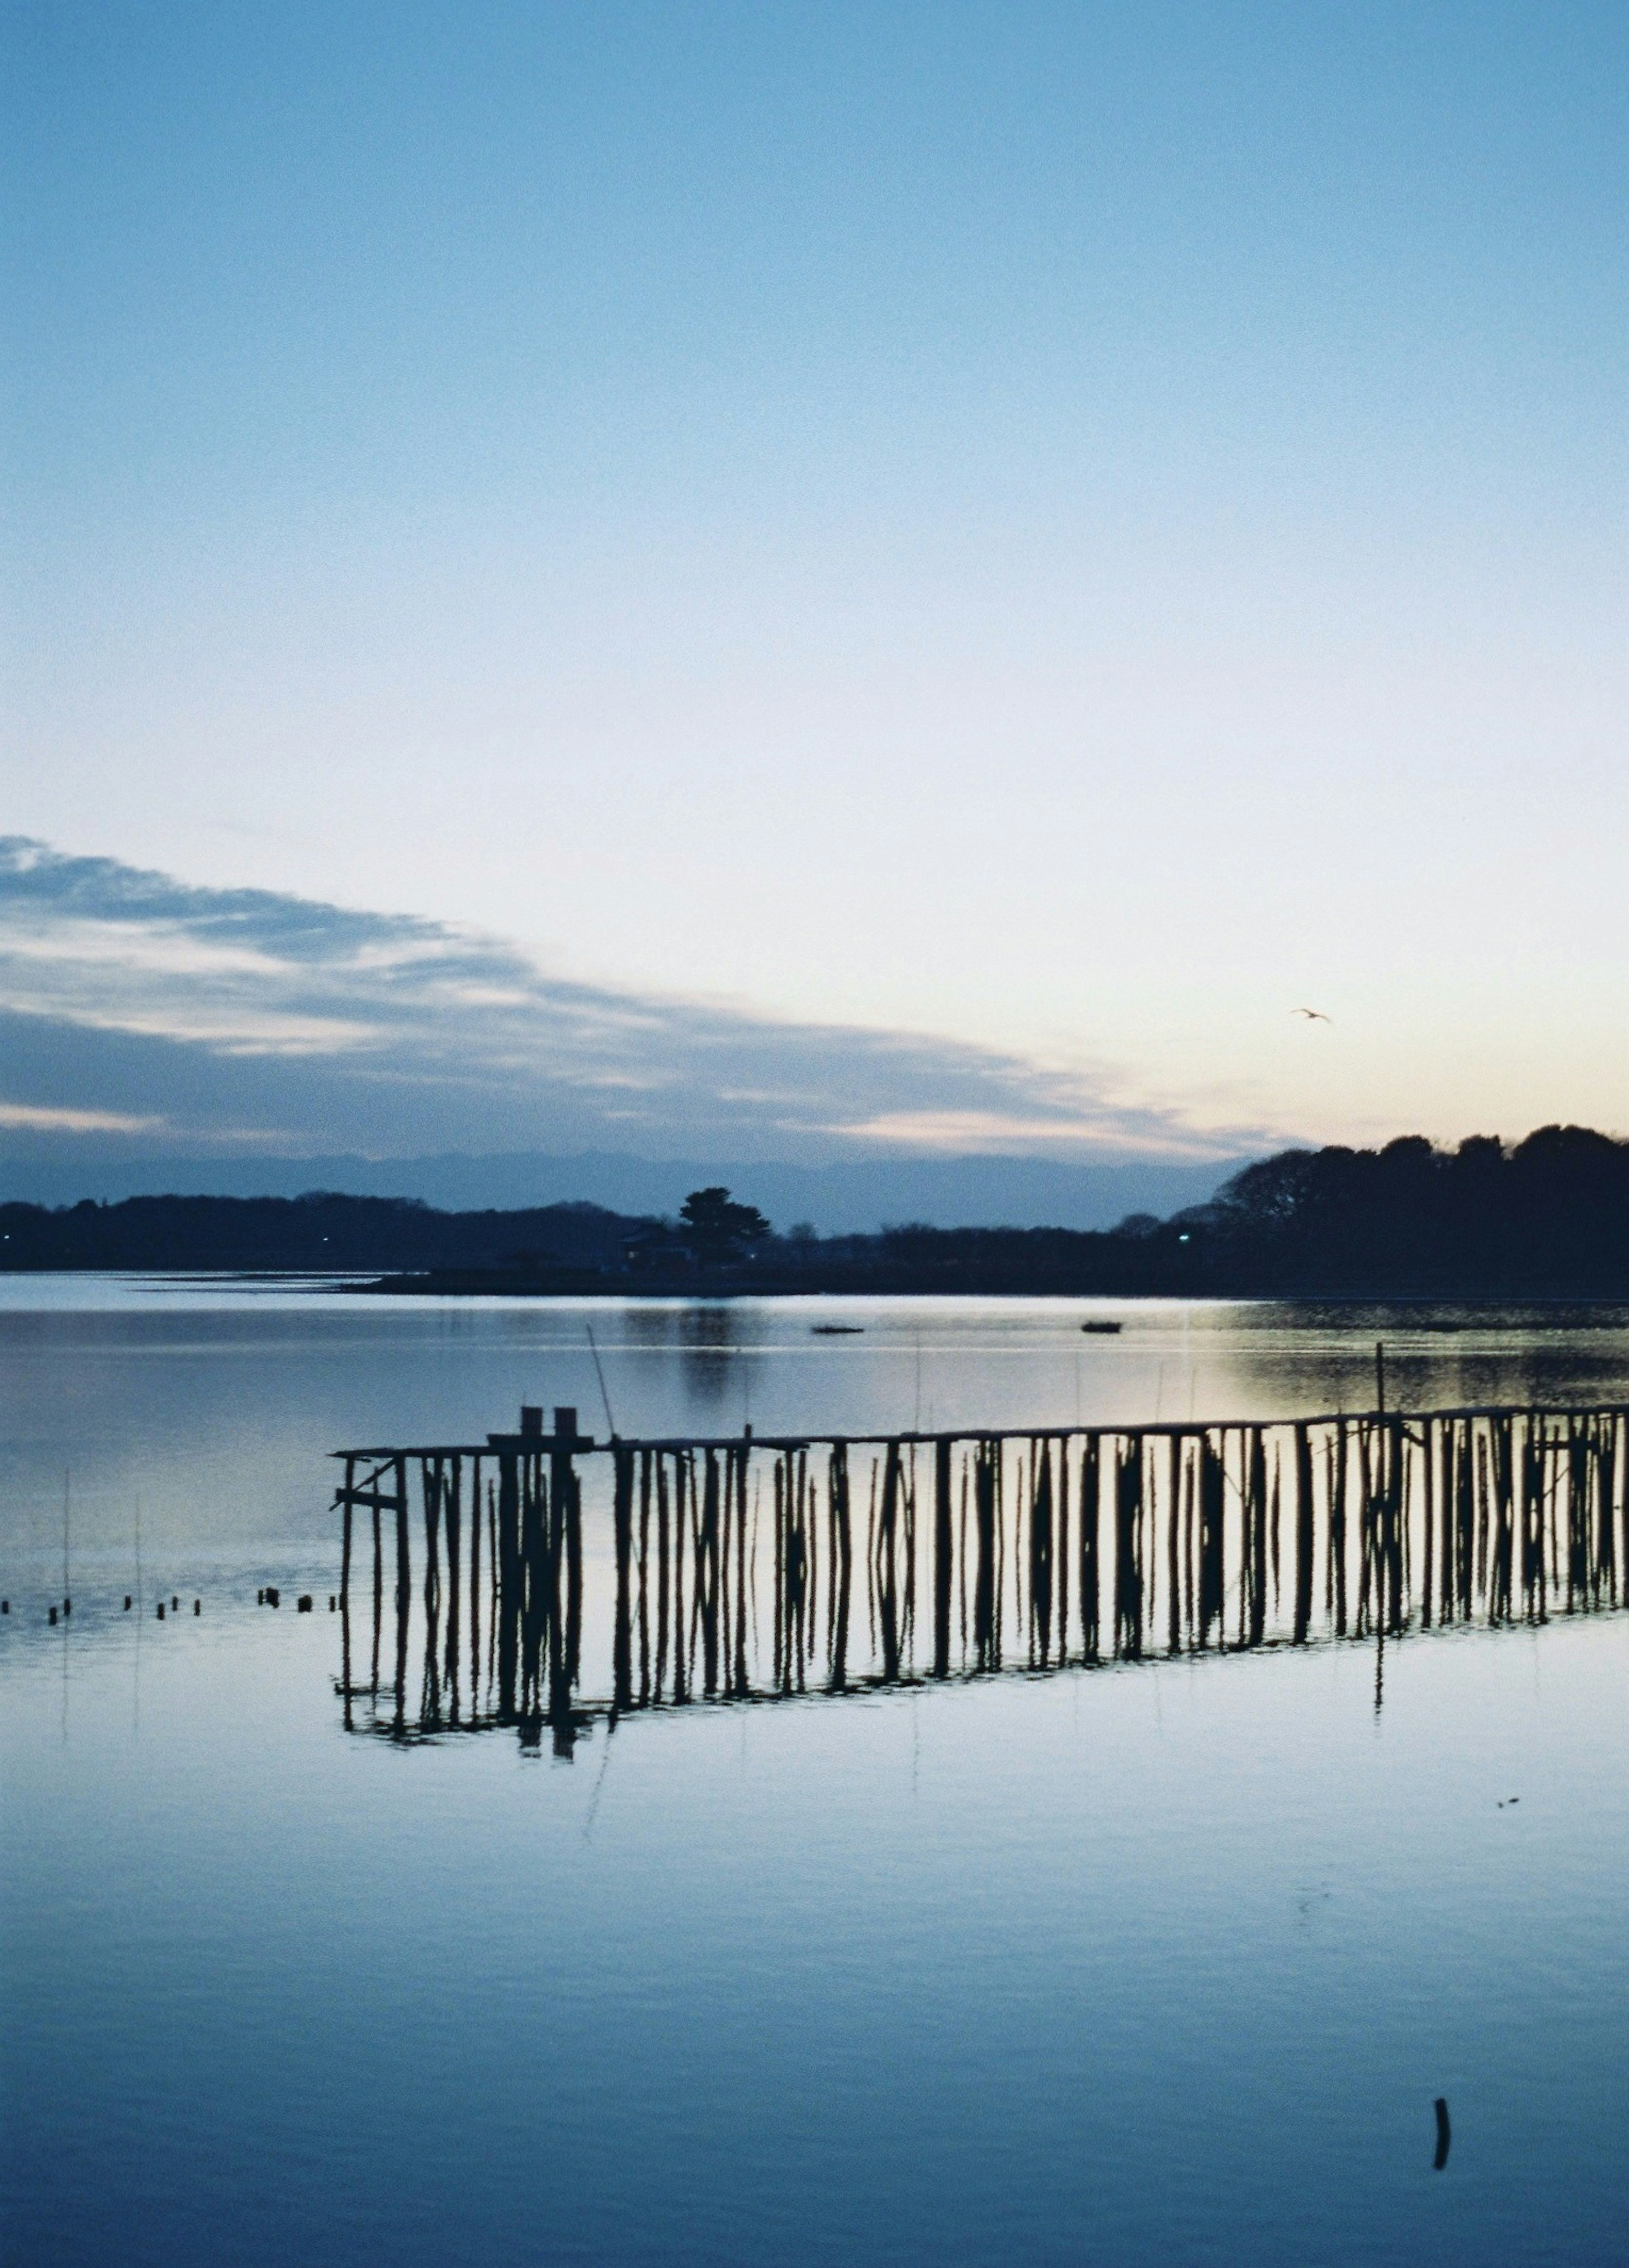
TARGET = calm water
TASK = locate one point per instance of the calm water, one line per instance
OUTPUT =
(1167, 1960)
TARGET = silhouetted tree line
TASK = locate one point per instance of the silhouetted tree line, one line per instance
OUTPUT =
(1550, 1215)
(1547, 1217)
(323, 1230)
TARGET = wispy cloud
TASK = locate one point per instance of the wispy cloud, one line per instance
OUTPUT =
(131, 1001)
(36, 1118)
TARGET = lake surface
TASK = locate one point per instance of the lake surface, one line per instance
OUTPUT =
(1166, 1959)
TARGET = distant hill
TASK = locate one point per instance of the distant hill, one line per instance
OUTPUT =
(840, 1199)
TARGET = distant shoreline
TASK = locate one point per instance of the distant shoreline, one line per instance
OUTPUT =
(1545, 1220)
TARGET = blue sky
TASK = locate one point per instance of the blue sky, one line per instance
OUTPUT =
(1059, 533)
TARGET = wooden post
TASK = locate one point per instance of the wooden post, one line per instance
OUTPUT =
(986, 1640)
(403, 1582)
(743, 1458)
(707, 1572)
(474, 1588)
(344, 1595)
(1303, 1535)
(1128, 1549)
(1091, 1464)
(378, 1584)
(888, 1601)
(454, 1502)
(621, 1645)
(838, 1491)
(942, 1560)
(568, 1533)
(1173, 1547)
(508, 1581)
(1213, 1514)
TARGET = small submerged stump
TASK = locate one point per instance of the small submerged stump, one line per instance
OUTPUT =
(1445, 2134)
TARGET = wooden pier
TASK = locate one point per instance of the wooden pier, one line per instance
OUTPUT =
(560, 1578)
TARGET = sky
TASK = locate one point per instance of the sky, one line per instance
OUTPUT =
(886, 579)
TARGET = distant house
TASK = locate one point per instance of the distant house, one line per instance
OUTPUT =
(659, 1252)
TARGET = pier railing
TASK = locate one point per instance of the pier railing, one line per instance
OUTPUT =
(537, 1579)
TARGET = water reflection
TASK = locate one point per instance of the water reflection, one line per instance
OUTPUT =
(715, 1365)
(735, 1570)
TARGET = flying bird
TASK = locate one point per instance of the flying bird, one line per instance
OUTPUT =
(1313, 1015)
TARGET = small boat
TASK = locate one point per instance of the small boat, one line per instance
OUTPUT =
(836, 1330)
(1106, 1331)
